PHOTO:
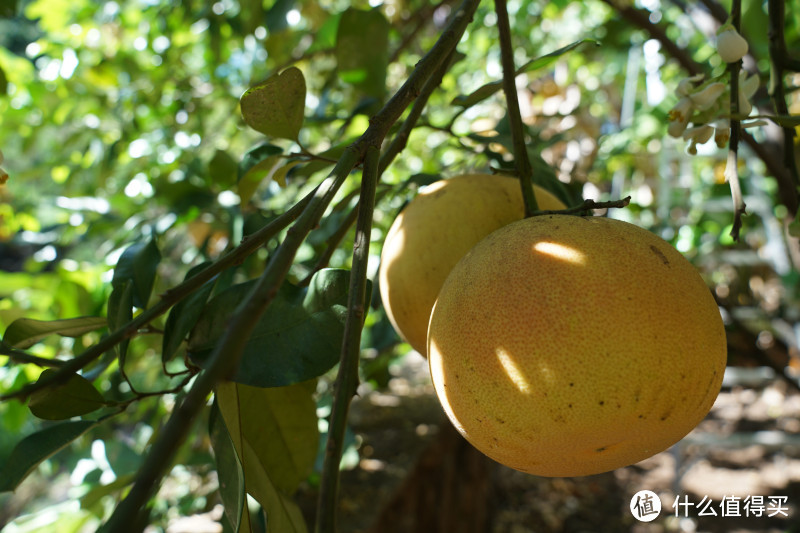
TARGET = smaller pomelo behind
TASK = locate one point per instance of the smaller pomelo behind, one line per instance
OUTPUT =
(433, 232)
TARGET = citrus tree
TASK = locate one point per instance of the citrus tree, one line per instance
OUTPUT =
(195, 196)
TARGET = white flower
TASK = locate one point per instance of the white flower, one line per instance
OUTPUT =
(747, 88)
(697, 135)
(731, 46)
(708, 96)
(679, 117)
(686, 85)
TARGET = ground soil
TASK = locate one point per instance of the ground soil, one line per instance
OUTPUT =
(416, 474)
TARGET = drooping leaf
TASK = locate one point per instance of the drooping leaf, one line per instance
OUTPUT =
(279, 175)
(183, 316)
(254, 176)
(35, 448)
(25, 332)
(120, 311)
(76, 396)
(138, 263)
(362, 50)
(275, 106)
(229, 468)
(222, 168)
(298, 337)
(485, 91)
(274, 431)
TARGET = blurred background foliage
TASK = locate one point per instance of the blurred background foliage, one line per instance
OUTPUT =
(120, 123)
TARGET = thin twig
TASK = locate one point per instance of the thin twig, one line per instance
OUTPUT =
(521, 159)
(347, 377)
(19, 356)
(586, 207)
(732, 166)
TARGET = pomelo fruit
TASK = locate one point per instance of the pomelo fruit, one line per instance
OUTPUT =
(568, 346)
(433, 232)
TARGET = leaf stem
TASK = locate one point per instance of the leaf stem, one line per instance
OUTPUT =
(523, 163)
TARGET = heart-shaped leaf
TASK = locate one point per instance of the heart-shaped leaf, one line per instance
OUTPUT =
(275, 106)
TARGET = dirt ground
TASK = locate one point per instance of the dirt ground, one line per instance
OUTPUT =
(416, 474)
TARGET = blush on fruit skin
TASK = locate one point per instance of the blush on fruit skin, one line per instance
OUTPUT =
(433, 232)
(569, 346)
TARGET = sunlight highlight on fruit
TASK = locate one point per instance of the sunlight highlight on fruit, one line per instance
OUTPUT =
(559, 251)
(513, 371)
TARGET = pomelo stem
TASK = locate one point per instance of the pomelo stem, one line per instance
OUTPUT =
(521, 160)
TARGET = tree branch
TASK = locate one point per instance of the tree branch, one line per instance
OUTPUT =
(347, 378)
(521, 160)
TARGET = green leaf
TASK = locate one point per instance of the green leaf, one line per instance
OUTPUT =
(786, 121)
(25, 332)
(75, 397)
(223, 168)
(120, 312)
(274, 432)
(8, 8)
(229, 468)
(485, 91)
(362, 50)
(299, 336)
(3, 81)
(183, 316)
(138, 263)
(253, 178)
(275, 106)
(255, 156)
(35, 448)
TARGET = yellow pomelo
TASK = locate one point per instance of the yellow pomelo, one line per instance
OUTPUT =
(433, 232)
(568, 346)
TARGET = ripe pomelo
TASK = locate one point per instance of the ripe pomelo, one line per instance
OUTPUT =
(433, 232)
(568, 346)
